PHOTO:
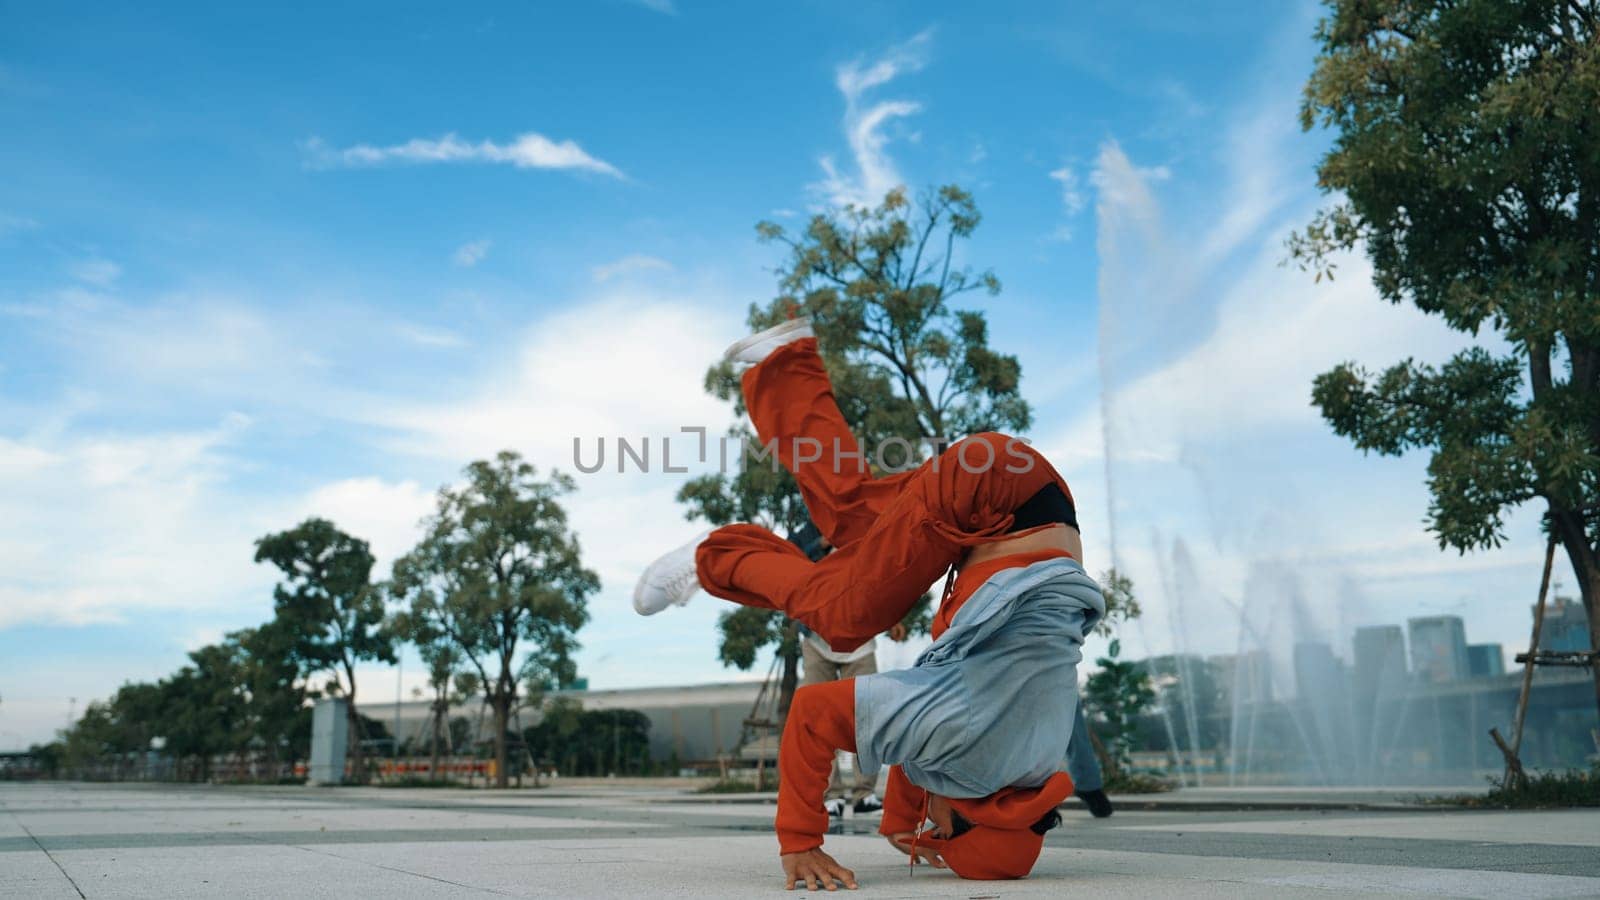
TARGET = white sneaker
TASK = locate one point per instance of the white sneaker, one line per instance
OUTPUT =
(835, 808)
(669, 581)
(759, 346)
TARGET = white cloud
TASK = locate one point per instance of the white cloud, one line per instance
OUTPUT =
(430, 337)
(1072, 197)
(470, 254)
(384, 514)
(528, 151)
(625, 365)
(632, 264)
(866, 123)
(101, 273)
(11, 223)
(98, 527)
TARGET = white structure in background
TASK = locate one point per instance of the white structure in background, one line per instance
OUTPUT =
(330, 740)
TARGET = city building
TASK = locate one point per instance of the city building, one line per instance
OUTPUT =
(1485, 660)
(1317, 672)
(1566, 626)
(1438, 649)
(1244, 677)
(1380, 662)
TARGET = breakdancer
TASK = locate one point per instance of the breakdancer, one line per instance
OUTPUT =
(973, 731)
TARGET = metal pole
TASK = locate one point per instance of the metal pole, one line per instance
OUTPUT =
(1527, 667)
(399, 681)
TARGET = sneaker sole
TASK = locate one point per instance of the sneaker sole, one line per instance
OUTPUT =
(748, 341)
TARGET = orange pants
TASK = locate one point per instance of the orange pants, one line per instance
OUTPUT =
(895, 536)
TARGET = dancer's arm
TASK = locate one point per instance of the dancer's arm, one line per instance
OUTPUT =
(822, 719)
(902, 805)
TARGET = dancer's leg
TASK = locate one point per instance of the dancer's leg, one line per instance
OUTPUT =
(791, 401)
(962, 497)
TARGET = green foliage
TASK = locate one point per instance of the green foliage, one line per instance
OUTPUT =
(238, 696)
(1121, 605)
(1115, 697)
(326, 601)
(1467, 166)
(877, 284)
(327, 607)
(1542, 790)
(499, 576)
(580, 741)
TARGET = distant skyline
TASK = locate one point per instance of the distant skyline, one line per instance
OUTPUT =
(258, 264)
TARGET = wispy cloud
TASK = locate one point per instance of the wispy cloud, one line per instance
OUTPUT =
(866, 123)
(629, 265)
(98, 272)
(430, 337)
(1072, 199)
(11, 223)
(470, 254)
(527, 151)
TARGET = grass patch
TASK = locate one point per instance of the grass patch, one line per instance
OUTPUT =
(1544, 790)
(1137, 783)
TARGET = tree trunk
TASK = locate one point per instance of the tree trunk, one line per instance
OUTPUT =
(358, 769)
(439, 706)
(790, 649)
(1589, 582)
(502, 716)
(1570, 528)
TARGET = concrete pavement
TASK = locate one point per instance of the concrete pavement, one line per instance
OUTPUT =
(80, 840)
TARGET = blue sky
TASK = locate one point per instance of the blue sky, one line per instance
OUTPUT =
(263, 263)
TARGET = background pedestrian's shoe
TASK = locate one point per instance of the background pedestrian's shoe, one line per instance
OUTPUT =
(758, 346)
(869, 804)
(835, 808)
(669, 581)
(1097, 801)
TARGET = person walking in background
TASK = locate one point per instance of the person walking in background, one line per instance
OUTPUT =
(1087, 782)
(820, 664)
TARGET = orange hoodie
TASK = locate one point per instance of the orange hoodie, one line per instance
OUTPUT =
(822, 720)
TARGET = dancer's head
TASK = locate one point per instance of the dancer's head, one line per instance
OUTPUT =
(999, 836)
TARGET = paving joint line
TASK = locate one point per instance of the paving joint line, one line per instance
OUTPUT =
(47, 854)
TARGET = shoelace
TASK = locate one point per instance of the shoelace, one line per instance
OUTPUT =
(677, 587)
(911, 869)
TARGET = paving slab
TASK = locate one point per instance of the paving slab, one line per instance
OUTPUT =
(647, 840)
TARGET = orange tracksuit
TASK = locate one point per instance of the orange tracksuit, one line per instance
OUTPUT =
(895, 537)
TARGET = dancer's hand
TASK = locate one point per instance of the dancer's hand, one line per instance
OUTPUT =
(813, 868)
(902, 842)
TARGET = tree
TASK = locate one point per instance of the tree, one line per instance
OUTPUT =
(450, 682)
(877, 284)
(1467, 162)
(276, 715)
(1116, 696)
(202, 705)
(328, 604)
(499, 574)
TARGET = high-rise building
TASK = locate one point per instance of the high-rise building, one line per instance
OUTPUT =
(1318, 674)
(1566, 626)
(1244, 677)
(1380, 662)
(1485, 660)
(1438, 648)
